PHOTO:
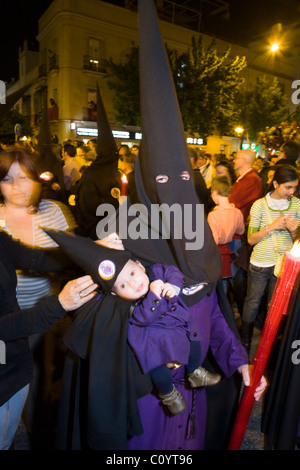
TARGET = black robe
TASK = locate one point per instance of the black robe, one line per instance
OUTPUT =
(102, 380)
(282, 411)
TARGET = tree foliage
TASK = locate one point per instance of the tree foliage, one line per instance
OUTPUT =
(206, 84)
(8, 123)
(265, 106)
(124, 81)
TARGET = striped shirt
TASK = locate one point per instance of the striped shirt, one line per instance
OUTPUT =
(264, 253)
(51, 214)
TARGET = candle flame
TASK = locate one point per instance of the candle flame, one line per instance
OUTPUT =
(295, 251)
(46, 176)
(124, 178)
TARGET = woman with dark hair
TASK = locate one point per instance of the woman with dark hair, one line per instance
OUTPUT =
(225, 167)
(273, 227)
(22, 212)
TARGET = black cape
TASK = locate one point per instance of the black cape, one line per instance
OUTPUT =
(102, 380)
(282, 410)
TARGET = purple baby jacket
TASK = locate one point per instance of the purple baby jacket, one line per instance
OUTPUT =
(159, 330)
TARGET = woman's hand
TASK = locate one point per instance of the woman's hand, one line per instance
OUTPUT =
(292, 225)
(278, 224)
(77, 292)
(245, 370)
(112, 241)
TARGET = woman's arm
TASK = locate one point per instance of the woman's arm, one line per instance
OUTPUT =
(257, 236)
(41, 317)
(37, 259)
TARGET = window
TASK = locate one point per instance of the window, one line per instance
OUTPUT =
(94, 60)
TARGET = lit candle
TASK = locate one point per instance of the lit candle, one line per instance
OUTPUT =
(285, 288)
(124, 181)
(46, 176)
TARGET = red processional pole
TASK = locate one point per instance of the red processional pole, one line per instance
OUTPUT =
(285, 288)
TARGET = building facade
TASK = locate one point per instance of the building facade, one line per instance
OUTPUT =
(75, 38)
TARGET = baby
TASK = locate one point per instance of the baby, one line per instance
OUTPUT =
(159, 330)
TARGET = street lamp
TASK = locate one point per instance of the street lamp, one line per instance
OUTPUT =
(239, 130)
(274, 47)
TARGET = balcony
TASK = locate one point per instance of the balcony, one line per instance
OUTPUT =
(94, 65)
(42, 70)
(89, 114)
(53, 62)
(53, 113)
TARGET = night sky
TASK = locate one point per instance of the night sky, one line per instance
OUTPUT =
(248, 20)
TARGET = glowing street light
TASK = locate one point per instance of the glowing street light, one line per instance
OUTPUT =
(239, 130)
(274, 47)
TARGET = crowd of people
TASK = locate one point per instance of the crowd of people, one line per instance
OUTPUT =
(252, 224)
(144, 302)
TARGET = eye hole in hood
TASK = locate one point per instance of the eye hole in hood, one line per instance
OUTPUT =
(162, 178)
(185, 175)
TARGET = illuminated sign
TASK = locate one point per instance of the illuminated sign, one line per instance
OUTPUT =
(194, 141)
(93, 132)
(121, 135)
(87, 131)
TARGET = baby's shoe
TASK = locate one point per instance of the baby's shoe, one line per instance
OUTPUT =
(174, 401)
(202, 378)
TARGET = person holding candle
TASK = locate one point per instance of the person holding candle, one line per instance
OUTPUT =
(274, 224)
(101, 181)
(126, 165)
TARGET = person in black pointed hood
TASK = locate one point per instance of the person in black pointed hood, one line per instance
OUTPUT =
(164, 172)
(155, 291)
(100, 182)
(48, 164)
(164, 177)
(200, 266)
(102, 263)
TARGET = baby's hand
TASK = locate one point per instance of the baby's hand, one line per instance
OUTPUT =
(156, 287)
(168, 290)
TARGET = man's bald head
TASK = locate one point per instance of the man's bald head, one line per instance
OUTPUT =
(244, 160)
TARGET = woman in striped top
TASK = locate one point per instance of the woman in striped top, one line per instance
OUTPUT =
(22, 213)
(273, 226)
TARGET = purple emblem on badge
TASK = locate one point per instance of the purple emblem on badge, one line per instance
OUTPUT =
(107, 269)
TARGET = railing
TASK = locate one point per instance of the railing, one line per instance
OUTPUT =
(42, 70)
(53, 62)
(53, 113)
(89, 114)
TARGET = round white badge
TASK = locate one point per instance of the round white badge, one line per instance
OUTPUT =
(107, 269)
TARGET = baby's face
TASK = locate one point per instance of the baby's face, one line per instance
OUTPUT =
(132, 282)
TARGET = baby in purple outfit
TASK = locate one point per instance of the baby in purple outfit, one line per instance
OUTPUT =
(160, 332)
